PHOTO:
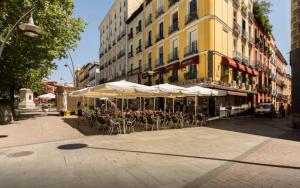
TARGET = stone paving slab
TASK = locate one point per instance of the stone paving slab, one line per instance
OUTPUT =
(228, 153)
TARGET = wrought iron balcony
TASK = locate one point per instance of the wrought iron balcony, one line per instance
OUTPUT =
(130, 35)
(130, 54)
(173, 56)
(149, 20)
(172, 2)
(139, 49)
(251, 16)
(191, 17)
(173, 28)
(236, 28)
(244, 36)
(173, 79)
(244, 10)
(237, 56)
(148, 2)
(148, 44)
(190, 75)
(236, 3)
(159, 37)
(159, 62)
(138, 29)
(159, 11)
(191, 49)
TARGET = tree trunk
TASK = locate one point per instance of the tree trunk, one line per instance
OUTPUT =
(12, 100)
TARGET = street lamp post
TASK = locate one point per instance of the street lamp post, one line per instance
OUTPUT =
(72, 70)
(29, 29)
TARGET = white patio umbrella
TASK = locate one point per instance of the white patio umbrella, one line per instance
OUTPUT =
(47, 96)
(124, 89)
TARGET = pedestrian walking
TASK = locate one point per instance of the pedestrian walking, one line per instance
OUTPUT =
(79, 112)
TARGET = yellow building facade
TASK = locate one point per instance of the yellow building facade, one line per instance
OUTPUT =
(190, 42)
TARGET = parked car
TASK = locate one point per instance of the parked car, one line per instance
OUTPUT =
(265, 110)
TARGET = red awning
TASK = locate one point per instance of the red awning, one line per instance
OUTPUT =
(172, 66)
(233, 93)
(255, 72)
(190, 61)
(249, 70)
(229, 62)
(242, 67)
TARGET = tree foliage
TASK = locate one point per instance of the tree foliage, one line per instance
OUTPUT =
(26, 61)
(261, 11)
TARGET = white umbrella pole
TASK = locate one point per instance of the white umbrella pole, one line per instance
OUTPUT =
(94, 103)
(165, 105)
(173, 105)
(140, 103)
(154, 104)
(196, 109)
(127, 104)
(123, 116)
(144, 103)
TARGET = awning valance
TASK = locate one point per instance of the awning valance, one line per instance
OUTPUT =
(190, 61)
(229, 62)
(234, 93)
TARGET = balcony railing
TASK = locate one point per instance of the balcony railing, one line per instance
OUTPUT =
(236, 3)
(190, 75)
(159, 81)
(130, 35)
(149, 20)
(139, 49)
(172, 2)
(159, 37)
(148, 44)
(237, 56)
(251, 16)
(191, 49)
(250, 40)
(148, 2)
(245, 61)
(174, 27)
(236, 28)
(159, 11)
(244, 36)
(134, 72)
(173, 79)
(244, 10)
(173, 56)
(159, 62)
(191, 17)
(138, 29)
(121, 54)
(130, 54)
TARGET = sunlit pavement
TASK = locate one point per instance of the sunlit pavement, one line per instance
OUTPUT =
(228, 153)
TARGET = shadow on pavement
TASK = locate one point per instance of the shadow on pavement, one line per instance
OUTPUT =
(198, 157)
(83, 128)
(3, 136)
(273, 128)
(72, 146)
(32, 115)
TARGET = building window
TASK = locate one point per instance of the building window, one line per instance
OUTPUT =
(160, 56)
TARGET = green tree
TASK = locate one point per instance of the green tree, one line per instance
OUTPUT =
(26, 61)
(261, 11)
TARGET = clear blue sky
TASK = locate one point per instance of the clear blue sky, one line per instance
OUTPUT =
(92, 11)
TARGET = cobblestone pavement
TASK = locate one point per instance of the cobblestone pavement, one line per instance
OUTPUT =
(227, 153)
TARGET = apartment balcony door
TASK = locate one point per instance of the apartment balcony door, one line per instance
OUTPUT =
(175, 49)
(161, 29)
(192, 6)
(193, 41)
(175, 19)
(160, 55)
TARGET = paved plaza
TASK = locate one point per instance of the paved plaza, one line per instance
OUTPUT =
(48, 151)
